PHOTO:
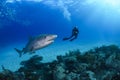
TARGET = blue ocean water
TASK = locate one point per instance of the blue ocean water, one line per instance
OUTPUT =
(21, 19)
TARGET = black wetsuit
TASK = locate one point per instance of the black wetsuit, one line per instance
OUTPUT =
(74, 35)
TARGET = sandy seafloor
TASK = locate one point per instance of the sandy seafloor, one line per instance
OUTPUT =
(11, 60)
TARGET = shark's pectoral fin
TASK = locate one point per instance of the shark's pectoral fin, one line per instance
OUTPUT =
(32, 50)
(23, 49)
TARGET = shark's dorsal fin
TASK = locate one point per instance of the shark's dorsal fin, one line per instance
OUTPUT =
(31, 38)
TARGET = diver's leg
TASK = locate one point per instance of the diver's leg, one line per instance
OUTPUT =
(68, 37)
(75, 36)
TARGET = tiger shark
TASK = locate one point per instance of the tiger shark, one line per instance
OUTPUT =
(37, 43)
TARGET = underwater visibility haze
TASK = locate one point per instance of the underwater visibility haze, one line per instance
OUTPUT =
(20, 20)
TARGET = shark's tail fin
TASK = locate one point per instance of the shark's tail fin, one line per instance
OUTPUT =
(19, 51)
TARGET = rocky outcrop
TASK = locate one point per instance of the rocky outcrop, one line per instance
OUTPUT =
(100, 63)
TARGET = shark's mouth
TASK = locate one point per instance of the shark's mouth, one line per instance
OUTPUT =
(51, 40)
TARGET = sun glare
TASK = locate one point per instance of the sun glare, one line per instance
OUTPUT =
(112, 3)
(11, 1)
(110, 6)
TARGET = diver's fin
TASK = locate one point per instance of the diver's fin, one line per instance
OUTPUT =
(19, 51)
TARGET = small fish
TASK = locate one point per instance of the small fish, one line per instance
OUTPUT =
(37, 43)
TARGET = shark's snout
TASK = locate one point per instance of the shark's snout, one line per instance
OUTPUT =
(52, 37)
(55, 36)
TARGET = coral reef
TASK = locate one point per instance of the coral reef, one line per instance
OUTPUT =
(100, 63)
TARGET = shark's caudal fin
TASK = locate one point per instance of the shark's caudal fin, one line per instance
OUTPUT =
(19, 51)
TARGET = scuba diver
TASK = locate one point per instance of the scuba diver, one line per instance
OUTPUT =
(74, 35)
